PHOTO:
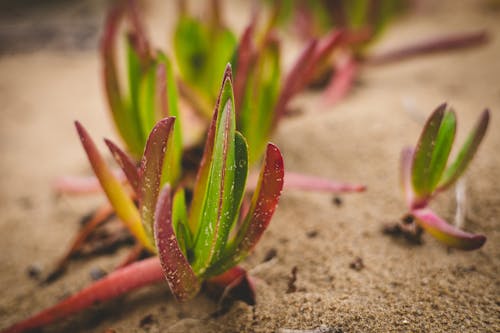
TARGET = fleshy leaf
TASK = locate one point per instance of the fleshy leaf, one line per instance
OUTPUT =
(262, 90)
(204, 169)
(146, 110)
(116, 193)
(264, 202)
(445, 232)
(126, 164)
(180, 277)
(151, 169)
(442, 148)
(179, 221)
(421, 165)
(217, 216)
(469, 148)
(169, 104)
(245, 54)
(120, 111)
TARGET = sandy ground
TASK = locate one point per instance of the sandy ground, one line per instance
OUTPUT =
(402, 287)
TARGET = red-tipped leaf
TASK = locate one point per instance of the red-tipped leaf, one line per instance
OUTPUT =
(151, 170)
(116, 193)
(264, 203)
(126, 164)
(446, 233)
(177, 271)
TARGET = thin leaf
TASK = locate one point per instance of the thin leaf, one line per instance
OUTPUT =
(169, 104)
(421, 165)
(179, 221)
(305, 182)
(263, 86)
(151, 169)
(126, 164)
(180, 277)
(442, 148)
(469, 148)
(119, 110)
(116, 193)
(293, 80)
(147, 105)
(204, 169)
(241, 170)
(264, 203)
(245, 55)
(141, 43)
(341, 82)
(217, 216)
(191, 48)
(445, 232)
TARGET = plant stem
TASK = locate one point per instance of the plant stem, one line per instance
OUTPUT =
(119, 282)
(439, 44)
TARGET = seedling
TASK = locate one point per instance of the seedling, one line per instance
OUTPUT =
(261, 98)
(202, 243)
(425, 173)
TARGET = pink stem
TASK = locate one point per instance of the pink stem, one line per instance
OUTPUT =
(298, 181)
(341, 82)
(439, 44)
(119, 282)
(310, 183)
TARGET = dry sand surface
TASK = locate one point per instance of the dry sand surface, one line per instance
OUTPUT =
(402, 287)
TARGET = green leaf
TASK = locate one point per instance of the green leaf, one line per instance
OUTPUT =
(151, 169)
(116, 193)
(179, 221)
(217, 216)
(223, 44)
(241, 171)
(446, 233)
(469, 148)
(264, 202)
(181, 279)
(192, 48)
(421, 165)
(147, 99)
(357, 11)
(170, 106)
(262, 89)
(442, 148)
(120, 110)
(202, 176)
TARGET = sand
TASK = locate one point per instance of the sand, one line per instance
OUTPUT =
(401, 288)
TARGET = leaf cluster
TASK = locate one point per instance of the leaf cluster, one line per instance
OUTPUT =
(205, 237)
(426, 171)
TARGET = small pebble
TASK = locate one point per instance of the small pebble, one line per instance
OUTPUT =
(97, 273)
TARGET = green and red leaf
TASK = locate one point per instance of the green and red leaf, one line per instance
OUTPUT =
(264, 202)
(151, 171)
(206, 160)
(181, 279)
(422, 158)
(446, 233)
(116, 193)
(466, 153)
